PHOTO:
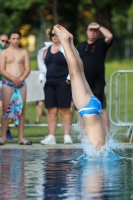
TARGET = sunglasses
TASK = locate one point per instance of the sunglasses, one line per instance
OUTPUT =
(53, 34)
(5, 41)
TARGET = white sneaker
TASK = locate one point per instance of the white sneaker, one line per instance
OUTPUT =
(67, 139)
(50, 139)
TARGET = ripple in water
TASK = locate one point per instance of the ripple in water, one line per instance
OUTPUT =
(105, 153)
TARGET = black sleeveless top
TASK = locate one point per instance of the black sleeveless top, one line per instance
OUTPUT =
(57, 68)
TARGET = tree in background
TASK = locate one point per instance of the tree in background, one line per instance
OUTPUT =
(36, 16)
(110, 14)
(11, 13)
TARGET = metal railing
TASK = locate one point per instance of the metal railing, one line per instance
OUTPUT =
(121, 100)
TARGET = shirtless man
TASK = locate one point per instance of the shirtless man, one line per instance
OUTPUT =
(14, 67)
(89, 107)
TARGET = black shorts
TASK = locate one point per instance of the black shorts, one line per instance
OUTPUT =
(99, 92)
(58, 94)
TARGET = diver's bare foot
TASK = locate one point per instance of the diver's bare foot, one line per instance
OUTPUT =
(63, 37)
(64, 30)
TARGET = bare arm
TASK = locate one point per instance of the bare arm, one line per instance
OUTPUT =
(107, 34)
(44, 54)
(26, 66)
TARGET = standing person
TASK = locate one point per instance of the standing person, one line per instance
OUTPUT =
(39, 111)
(3, 41)
(3, 45)
(89, 107)
(14, 67)
(92, 53)
(53, 67)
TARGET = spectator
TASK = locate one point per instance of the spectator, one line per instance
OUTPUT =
(39, 111)
(3, 45)
(53, 67)
(93, 53)
(14, 67)
(3, 41)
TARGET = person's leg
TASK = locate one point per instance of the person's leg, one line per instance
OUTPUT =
(52, 120)
(93, 124)
(66, 119)
(0, 99)
(8, 134)
(80, 65)
(43, 112)
(79, 87)
(105, 116)
(39, 111)
(52, 108)
(0, 108)
(6, 96)
(72, 108)
(82, 92)
(79, 61)
(21, 119)
(64, 98)
(99, 91)
(105, 119)
(81, 124)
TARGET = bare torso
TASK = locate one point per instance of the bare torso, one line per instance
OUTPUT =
(14, 62)
(94, 129)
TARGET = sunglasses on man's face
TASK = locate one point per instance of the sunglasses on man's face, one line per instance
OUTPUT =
(6, 41)
(53, 34)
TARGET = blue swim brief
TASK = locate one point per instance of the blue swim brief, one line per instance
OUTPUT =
(10, 83)
(93, 107)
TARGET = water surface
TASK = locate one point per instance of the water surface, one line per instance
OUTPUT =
(58, 174)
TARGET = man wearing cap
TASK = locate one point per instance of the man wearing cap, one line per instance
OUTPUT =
(93, 53)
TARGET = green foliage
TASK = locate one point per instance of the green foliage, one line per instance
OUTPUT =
(73, 14)
(6, 27)
(16, 13)
(130, 11)
(19, 5)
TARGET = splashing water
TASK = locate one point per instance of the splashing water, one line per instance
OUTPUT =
(105, 153)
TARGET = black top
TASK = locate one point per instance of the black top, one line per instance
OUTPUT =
(57, 68)
(93, 57)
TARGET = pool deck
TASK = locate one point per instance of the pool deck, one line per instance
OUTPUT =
(57, 146)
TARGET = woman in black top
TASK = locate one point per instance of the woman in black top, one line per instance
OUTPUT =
(57, 91)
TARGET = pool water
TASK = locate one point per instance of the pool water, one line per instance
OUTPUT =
(58, 174)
